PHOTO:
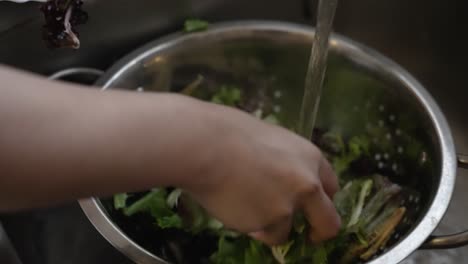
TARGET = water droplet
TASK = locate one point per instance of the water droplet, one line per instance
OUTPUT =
(381, 123)
(388, 136)
(411, 198)
(400, 149)
(381, 108)
(381, 165)
(423, 157)
(394, 167)
(277, 108)
(392, 118)
(377, 157)
(140, 89)
(386, 156)
(417, 199)
(277, 94)
(398, 132)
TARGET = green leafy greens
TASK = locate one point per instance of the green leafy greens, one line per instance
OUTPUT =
(369, 205)
(194, 25)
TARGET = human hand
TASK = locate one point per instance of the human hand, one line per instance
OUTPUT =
(250, 175)
(260, 175)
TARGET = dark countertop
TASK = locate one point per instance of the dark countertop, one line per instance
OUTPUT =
(59, 236)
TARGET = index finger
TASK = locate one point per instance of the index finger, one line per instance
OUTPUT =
(322, 216)
(328, 178)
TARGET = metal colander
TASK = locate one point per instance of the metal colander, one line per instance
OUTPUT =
(364, 92)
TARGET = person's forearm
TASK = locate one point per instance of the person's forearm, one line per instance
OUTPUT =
(59, 142)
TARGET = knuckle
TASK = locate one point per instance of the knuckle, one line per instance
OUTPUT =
(307, 191)
(311, 188)
(288, 169)
(304, 182)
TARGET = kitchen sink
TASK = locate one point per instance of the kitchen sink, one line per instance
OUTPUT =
(421, 35)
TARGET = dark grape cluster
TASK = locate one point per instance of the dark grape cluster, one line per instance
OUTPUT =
(62, 17)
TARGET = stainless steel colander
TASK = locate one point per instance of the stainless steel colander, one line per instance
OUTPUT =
(364, 90)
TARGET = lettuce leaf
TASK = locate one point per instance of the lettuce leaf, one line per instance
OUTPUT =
(156, 205)
(228, 95)
(194, 25)
(241, 250)
(120, 200)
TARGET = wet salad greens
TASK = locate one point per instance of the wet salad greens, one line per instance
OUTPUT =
(371, 206)
(195, 25)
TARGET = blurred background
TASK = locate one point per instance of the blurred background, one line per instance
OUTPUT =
(424, 36)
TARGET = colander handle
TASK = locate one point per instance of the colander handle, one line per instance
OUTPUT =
(76, 71)
(454, 240)
(463, 161)
(446, 242)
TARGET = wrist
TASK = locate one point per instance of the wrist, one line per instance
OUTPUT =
(186, 137)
